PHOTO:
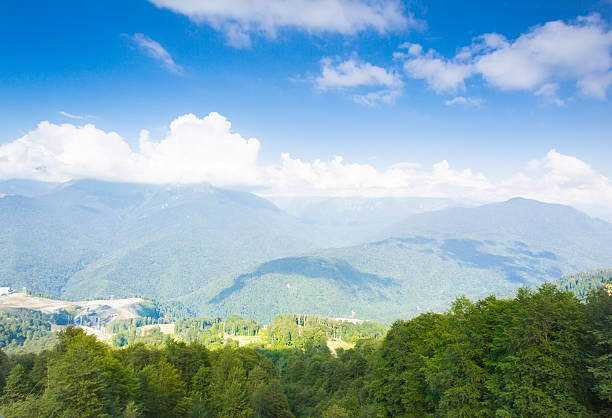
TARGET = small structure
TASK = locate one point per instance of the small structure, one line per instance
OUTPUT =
(4, 291)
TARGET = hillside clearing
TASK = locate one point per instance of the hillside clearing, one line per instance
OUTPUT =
(121, 308)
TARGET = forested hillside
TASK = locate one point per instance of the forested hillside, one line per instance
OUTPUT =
(429, 260)
(541, 354)
(222, 252)
(96, 239)
(565, 232)
(23, 331)
(581, 284)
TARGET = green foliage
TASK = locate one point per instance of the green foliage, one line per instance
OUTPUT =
(24, 330)
(207, 331)
(522, 357)
(599, 315)
(542, 353)
(84, 379)
(164, 393)
(311, 331)
(163, 311)
(580, 284)
(17, 386)
(134, 335)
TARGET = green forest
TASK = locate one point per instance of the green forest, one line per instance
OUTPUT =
(582, 283)
(543, 353)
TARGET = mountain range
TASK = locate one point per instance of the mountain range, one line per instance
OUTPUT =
(224, 252)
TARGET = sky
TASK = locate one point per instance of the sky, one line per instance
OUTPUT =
(474, 100)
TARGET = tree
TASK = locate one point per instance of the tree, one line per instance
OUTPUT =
(76, 383)
(17, 385)
(84, 380)
(163, 393)
(599, 315)
(335, 411)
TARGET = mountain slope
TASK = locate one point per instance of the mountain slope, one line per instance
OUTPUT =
(563, 230)
(312, 285)
(356, 219)
(92, 238)
(581, 284)
(490, 249)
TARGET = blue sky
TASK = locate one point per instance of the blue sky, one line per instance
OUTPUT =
(297, 78)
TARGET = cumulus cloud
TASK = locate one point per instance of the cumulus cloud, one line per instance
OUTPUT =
(441, 74)
(338, 178)
(239, 18)
(62, 152)
(562, 179)
(193, 150)
(578, 52)
(354, 73)
(206, 150)
(154, 50)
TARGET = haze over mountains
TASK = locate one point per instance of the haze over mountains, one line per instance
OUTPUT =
(225, 252)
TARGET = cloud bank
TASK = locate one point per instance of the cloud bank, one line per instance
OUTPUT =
(193, 150)
(238, 19)
(206, 150)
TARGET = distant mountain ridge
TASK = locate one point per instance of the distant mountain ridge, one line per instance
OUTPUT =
(224, 252)
(100, 239)
(557, 228)
(431, 258)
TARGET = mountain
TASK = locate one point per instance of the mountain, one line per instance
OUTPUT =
(29, 188)
(430, 259)
(92, 238)
(309, 285)
(581, 240)
(356, 219)
(224, 252)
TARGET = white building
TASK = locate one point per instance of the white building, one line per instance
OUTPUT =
(5, 291)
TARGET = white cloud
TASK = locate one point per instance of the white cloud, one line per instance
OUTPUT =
(549, 93)
(337, 178)
(71, 116)
(562, 179)
(354, 73)
(237, 37)
(441, 74)
(579, 52)
(377, 98)
(596, 85)
(464, 101)
(239, 18)
(193, 150)
(62, 152)
(154, 50)
(206, 150)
